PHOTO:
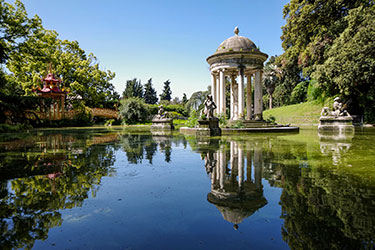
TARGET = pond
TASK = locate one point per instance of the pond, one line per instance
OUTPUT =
(128, 188)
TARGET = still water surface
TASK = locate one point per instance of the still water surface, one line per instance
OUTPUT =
(131, 189)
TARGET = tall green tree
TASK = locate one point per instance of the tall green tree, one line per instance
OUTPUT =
(80, 72)
(271, 77)
(26, 48)
(167, 92)
(184, 99)
(311, 27)
(321, 40)
(15, 28)
(150, 93)
(133, 88)
(349, 70)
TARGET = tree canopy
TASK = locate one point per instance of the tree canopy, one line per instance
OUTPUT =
(329, 41)
(150, 93)
(167, 92)
(26, 48)
(133, 88)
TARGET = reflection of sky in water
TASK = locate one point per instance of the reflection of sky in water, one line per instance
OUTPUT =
(176, 202)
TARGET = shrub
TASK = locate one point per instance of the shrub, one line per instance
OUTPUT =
(271, 119)
(179, 108)
(174, 115)
(109, 122)
(133, 110)
(238, 124)
(222, 120)
(84, 116)
(192, 121)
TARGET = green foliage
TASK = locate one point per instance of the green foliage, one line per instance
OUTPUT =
(174, 115)
(109, 122)
(150, 93)
(314, 92)
(84, 116)
(238, 124)
(133, 110)
(26, 48)
(167, 92)
(178, 108)
(164, 102)
(7, 128)
(133, 89)
(271, 119)
(299, 93)
(332, 42)
(192, 121)
(184, 99)
(223, 120)
(349, 70)
(196, 100)
(80, 72)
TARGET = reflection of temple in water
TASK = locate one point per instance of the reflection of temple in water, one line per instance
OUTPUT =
(236, 188)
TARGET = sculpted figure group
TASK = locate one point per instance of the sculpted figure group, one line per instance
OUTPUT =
(337, 109)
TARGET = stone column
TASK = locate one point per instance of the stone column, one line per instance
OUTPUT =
(213, 89)
(217, 94)
(240, 166)
(249, 99)
(241, 100)
(258, 164)
(248, 162)
(258, 101)
(231, 155)
(232, 82)
(222, 92)
(222, 169)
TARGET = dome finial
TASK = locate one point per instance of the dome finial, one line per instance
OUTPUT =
(236, 30)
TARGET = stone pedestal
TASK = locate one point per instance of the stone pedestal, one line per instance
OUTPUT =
(340, 123)
(164, 124)
(208, 128)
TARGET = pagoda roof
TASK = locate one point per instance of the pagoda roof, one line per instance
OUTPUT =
(51, 78)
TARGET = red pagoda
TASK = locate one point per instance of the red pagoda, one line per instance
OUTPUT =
(51, 89)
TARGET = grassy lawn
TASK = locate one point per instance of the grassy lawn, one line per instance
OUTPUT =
(303, 114)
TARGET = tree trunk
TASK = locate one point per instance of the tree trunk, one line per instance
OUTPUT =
(270, 101)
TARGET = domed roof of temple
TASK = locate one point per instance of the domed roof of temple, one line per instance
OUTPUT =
(234, 215)
(237, 43)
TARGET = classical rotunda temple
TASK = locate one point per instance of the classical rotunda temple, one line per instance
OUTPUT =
(238, 59)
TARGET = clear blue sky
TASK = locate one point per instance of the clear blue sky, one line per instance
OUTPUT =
(161, 39)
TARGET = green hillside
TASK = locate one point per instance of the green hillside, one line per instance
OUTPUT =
(303, 114)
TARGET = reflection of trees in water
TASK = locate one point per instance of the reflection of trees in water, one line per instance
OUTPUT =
(144, 146)
(57, 173)
(323, 208)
